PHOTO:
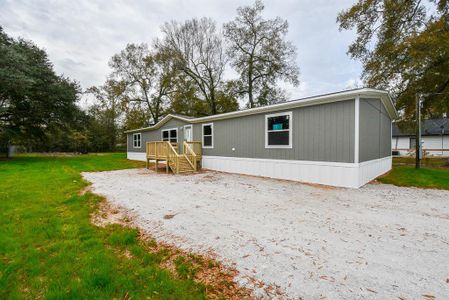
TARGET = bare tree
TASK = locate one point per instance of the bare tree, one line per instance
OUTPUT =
(197, 49)
(149, 78)
(260, 54)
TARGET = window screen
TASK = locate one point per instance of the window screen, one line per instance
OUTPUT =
(208, 141)
(279, 138)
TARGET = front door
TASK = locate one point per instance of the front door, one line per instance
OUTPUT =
(188, 136)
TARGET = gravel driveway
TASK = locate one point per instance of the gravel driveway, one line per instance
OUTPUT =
(379, 242)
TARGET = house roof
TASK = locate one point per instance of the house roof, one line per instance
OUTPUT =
(429, 127)
(182, 116)
(308, 101)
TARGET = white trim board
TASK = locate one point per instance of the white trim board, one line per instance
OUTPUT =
(356, 129)
(352, 175)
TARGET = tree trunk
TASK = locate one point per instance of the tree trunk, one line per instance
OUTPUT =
(212, 94)
(7, 149)
(250, 84)
(212, 102)
(157, 109)
(250, 94)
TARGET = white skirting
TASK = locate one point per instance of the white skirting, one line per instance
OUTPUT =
(136, 156)
(353, 175)
(371, 169)
(444, 153)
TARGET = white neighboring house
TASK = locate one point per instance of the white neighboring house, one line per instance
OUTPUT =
(435, 138)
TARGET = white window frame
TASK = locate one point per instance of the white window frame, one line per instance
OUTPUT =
(212, 135)
(169, 138)
(140, 140)
(191, 130)
(290, 130)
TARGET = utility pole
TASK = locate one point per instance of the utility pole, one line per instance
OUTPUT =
(418, 126)
(418, 132)
(442, 140)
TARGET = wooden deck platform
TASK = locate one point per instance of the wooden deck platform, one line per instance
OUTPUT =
(186, 162)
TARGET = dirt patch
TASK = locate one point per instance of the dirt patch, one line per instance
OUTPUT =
(162, 167)
(218, 279)
(210, 177)
(168, 217)
(85, 190)
(108, 215)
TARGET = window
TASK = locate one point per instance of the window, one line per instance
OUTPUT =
(137, 140)
(278, 130)
(412, 143)
(208, 135)
(170, 135)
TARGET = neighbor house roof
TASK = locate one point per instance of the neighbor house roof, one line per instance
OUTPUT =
(429, 127)
(308, 101)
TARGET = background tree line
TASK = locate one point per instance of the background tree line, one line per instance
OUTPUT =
(183, 72)
(198, 68)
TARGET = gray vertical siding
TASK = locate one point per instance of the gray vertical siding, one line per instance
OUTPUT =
(375, 130)
(155, 135)
(320, 133)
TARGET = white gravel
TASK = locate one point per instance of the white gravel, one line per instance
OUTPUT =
(378, 242)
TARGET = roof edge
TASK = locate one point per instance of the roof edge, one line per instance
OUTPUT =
(308, 101)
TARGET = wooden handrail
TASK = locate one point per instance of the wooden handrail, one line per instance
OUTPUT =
(171, 152)
(195, 146)
(156, 148)
(189, 152)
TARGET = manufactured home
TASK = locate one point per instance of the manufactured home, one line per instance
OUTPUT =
(434, 138)
(339, 139)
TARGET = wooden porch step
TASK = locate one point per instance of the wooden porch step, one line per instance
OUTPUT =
(184, 167)
(188, 166)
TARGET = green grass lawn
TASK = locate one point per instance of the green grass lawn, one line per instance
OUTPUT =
(433, 174)
(49, 248)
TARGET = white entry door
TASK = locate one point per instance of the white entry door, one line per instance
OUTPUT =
(188, 134)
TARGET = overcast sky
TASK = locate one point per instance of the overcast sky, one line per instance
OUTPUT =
(80, 36)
